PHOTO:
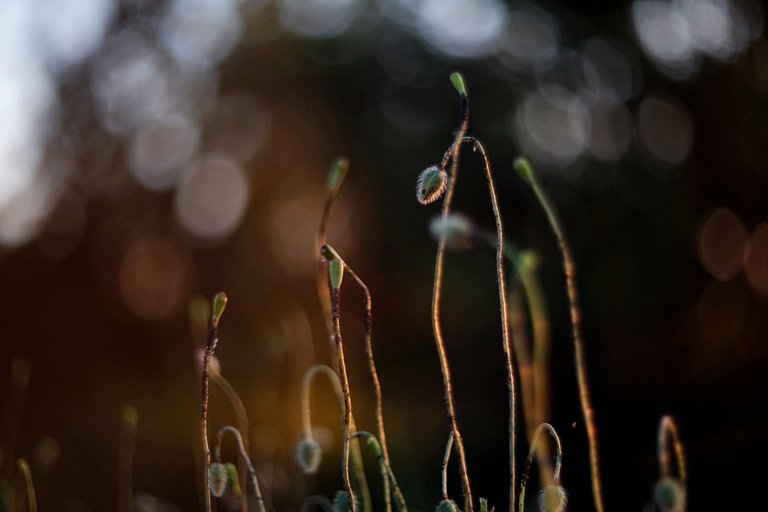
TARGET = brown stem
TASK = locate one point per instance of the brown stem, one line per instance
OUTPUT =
(335, 313)
(367, 329)
(533, 451)
(437, 329)
(243, 456)
(210, 347)
(585, 397)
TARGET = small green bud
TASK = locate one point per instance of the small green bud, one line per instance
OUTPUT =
(431, 184)
(219, 479)
(528, 260)
(484, 506)
(335, 272)
(217, 307)
(309, 454)
(458, 83)
(447, 506)
(456, 229)
(553, 499)
(524, 168)
(375, 447)
(233, 479)
(336, 174)
(341, 502)
(669, 495)
(130, 417)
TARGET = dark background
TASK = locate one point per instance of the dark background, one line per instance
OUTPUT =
(95, 294)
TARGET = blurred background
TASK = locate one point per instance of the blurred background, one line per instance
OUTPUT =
(154, 150)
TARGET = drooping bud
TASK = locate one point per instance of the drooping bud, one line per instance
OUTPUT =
(217, 307)
(458, 83)
(669, 495)
(219, 479)
(431, 184)
(456, 229)
(308, 455)
(553, 499)
(336, 174)
(341, 502)
(447, 506)
(233, 479)
(524, 168)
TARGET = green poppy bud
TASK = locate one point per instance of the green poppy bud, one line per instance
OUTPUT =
(669, 495)
(219, 479)
(524, 168)
(553, 499)
(456, 229)
(447, 506)
(341, 502)
(336, 174)
(458, 83)
(431, 184)
(308, 455)
(335, 273)
(217, 307)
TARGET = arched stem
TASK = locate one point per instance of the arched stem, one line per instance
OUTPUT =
(26, 474)
(532, 451)
(244, 456)
(242, 425)
(525, 169)
(668, 432)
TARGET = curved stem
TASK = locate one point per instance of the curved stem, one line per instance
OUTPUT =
(533, 451)
(335, 313)
(244, 456)
(668, 431)
(507, 344)
(451, 153)
(242, 425)
(306, 422)
(446, 457)
(569, 268)
(367, 329)
(30, 486)
(386, 471)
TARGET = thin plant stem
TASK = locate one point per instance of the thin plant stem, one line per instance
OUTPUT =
(242, 425)
(23, 467)
(319, 502)
(517, 326)
(20, 375)
(335, 178)
(335, 313)
(244, 456)
(533, 451)
(337, 171)
(129, 422)
(569, 268)
(306, 422)
(444, 470)
(437, 329)
(668, 432)
(367, 330)
(210, 347)
(386, 472)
